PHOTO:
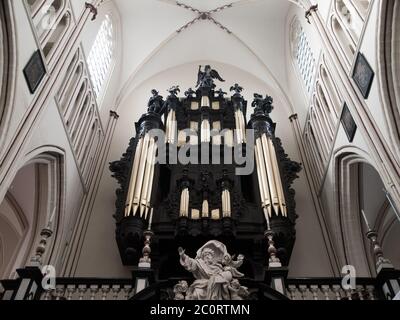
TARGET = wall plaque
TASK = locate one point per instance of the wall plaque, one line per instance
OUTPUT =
(34, 72)
(363, 75)
(348, 123)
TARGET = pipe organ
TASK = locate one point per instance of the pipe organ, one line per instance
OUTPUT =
(201, 196)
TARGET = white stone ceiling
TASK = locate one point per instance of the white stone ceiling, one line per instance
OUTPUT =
(158, 35)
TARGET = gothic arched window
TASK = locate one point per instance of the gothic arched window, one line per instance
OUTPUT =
(100, 56)
(303, 55)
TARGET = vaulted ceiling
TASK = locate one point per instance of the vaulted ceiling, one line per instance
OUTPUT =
(158, 35)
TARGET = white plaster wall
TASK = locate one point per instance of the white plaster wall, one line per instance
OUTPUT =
(26, 45)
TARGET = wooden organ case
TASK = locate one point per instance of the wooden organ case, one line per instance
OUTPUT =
(181, 178)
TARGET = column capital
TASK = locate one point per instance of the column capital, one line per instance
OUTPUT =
(92, 9)
(293, 117)
(312, 9)
(114, 114)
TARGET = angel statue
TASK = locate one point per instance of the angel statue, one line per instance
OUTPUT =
(156, 103)
(215, 272)
(237, 89)
(206, 79)
(174, 91)
(261, 105)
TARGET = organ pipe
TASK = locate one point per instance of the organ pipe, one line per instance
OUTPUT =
(141, 183)
(171, 127)
(240, 127)
(226, 204)
(269, 177)
(205, 209)
(205, 131)
(184, 207)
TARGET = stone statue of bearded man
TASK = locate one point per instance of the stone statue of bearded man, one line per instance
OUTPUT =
(214, 271)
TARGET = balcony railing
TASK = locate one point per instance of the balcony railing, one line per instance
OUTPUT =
(332, 289)
(124, 289)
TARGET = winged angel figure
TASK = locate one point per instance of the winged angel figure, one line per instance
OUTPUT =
(206, 78)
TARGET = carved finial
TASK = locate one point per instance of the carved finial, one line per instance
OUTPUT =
(380, 260)
(145, 261)
(45, 234)
(274, 261)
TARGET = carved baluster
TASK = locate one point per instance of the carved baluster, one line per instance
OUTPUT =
(71, 290)
(336, 290)
(371, 292)
(127, 291)
(105, 290)
(325, 290)
(60, 290)
(82, 290)
(116, 290)
(145, 261)
(292, 290)
(303, 290)
(314, 291)
(93, 292)
(360, 292)
(47, 295)
(348, 294)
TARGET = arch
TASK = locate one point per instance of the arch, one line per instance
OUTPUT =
(388, 65)
(37, 201)
(8, 62)
(13, 229)
(347, 223)
(389, 234)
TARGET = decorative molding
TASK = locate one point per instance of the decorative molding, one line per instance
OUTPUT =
(204, 15)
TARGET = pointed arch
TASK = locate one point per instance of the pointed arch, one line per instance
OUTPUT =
(351, 192)
(34, 200)
(389, 67)
(7, 66)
